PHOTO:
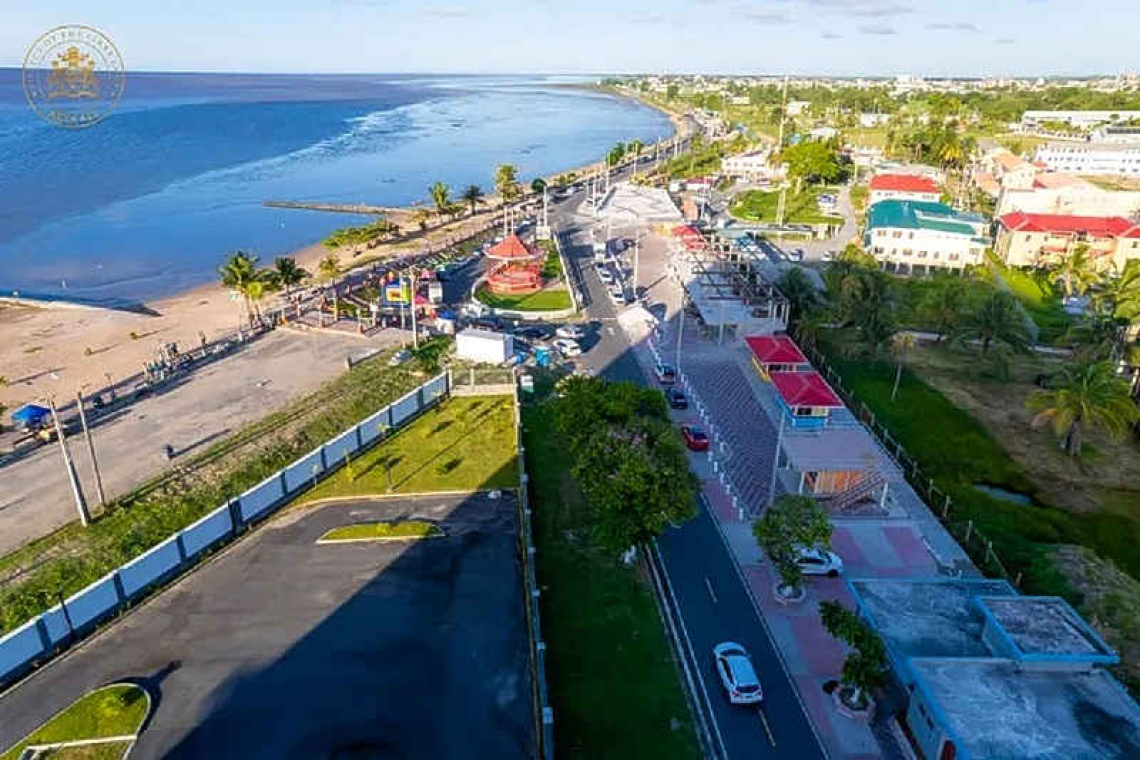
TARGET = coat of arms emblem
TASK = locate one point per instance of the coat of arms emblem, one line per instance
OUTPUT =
(73, 76)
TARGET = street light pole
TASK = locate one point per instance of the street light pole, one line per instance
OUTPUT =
(90, 448)
(72, 475)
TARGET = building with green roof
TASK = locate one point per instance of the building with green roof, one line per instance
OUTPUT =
(909, 237)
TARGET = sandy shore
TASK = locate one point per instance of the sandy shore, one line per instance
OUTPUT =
(54, 350)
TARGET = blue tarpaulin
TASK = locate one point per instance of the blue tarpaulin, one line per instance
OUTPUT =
(30, 414)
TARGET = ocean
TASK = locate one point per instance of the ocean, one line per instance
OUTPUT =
(149, 202)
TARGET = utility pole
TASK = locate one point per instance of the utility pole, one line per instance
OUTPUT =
(783, 115)
(73, 476)
(776, 463)
(90, 448)
(415, 330)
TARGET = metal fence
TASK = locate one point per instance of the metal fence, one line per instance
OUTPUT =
(976, 544)
(75, 617)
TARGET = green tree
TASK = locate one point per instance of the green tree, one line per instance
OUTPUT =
(812, 160)
(507, 182)
(1075, 272)
(999, 319)
(287, 274)
(635, 147)
(537, 185)
(237, 274)
(1097, 335)
(440, 196)
(1119, 294)
(1088, 395)
(329, 268)
(790, 524)
(944, 304)
(867, 301)
(472, 196)
(866, 665)
(800, 292)
(672, 91)
(616, 154)
(257, 291)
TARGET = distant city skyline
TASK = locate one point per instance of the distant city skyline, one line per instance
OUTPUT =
(806, 37)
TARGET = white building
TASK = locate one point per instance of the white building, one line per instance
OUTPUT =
(484, 346)
(823, 133)
(1079, 119)
(1066, 194)
(751, 167)
(797, 107)
(908, 237)
(1091, 158)
(868, 120)
(902, 187)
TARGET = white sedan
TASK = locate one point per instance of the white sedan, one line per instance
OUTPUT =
(567, 347)
(573, 332)
(814, 561)
(734, 666)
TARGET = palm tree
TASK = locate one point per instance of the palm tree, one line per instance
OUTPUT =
(507, 182)
(1120, 294)
(1089, 394)
(256, 291)
(237, 273)
(800, 292)
(1075, 271)
(286, 274)
(944, 303)
(998, 320)
(473, 196)
(440, 196)
(537, 185)
(329, 268)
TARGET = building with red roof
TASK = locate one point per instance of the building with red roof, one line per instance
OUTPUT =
(775, 353)
(903, 187)
(1035, 240)
(805, 398)
(514, 267)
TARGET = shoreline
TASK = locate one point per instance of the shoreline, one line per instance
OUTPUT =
(55, 345)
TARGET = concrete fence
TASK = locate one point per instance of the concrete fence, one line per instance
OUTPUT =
(73, 618)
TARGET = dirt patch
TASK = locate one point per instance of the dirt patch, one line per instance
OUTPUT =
(1076, 485)
(1110, 601)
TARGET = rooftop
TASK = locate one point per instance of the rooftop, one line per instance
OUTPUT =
(922, 215)
(908, 183)
(512, 247)
(775, 349)
(1045, 627)
(805, 389)
(1098, 226)
(928, 618)
(997, 711)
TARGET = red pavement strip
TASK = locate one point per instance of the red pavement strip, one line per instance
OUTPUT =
(909, 547)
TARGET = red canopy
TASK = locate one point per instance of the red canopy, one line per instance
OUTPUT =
(775, 349)
(805, 389)
(512, 248)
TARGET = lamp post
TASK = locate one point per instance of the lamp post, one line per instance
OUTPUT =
(69, 465)
(90, 448)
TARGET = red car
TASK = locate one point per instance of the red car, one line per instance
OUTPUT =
(695, 438)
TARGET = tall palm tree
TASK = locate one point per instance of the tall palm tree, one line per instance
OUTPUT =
(507, 182)
(473, 196)
(944, 304)
(1075, 272)
(999, 319)
(1098, 334)
(286, 274)
(237, 273)
(1119, 294)
(440, 196)
(800, 292)
(256, 291)
(1089, 395)
(329, 268)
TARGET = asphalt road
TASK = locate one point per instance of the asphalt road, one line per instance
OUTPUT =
(698, 566)
(281, 648)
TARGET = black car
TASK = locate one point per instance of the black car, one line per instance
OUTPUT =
(487, 323)
(676, 398)
(535, 333)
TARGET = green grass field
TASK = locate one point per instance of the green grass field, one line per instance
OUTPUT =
(543, 300)
(614, 686)
(760, 206)
(466, 443)
(1042, 301)
(383, 531)
(116, 710)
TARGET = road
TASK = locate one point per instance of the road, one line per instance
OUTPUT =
(710, 595)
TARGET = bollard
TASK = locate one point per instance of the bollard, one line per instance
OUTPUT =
(969, 529)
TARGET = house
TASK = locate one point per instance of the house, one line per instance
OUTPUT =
(864, 157)
(988, 673)
(1120, 159)
(823, 133)
(904, 187)
(753, 166)
(869, 120)
(1057, 193)
(909, 236)
(797, 107)
(1041, 239)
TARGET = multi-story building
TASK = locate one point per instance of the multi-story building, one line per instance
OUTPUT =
(911, 237)
(867, 120)
(753, 166)
(1079, 119)
(1054, 193)
(1033, 240)
(1091, 158)
(902, 187)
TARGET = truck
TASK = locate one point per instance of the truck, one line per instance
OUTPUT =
(599, 252)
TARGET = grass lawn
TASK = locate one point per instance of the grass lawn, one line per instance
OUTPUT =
(543, 300)
(1039, 297)
(103, 751)
(614, 686)
(760, 206)
(466, 443)
(383, 531)
(116, 710)
(869, 137)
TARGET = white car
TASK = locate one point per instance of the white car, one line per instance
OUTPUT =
(567, 347)
(814, 561)
(828, 256)
(734, 666)
(605, 276)
(573, 332)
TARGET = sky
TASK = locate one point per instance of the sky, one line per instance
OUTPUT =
(837, 37)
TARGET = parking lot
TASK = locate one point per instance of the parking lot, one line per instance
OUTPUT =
(282, 648)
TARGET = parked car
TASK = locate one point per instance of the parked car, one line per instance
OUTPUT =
(813, 561)
(828, 256)
(734, 667)
(534, 333)
(676, 398)
(573, 332)
(696, 439)
(487, 323)
(665, 373)
(605, 275)
(567, 347)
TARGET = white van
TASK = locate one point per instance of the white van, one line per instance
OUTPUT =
(599, 252)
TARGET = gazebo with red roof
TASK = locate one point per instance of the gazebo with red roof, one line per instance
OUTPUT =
(805, 397)
(515, 267)
(775, 353)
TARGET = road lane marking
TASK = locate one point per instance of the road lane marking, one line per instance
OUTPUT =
(767, 728)
(708, 585)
